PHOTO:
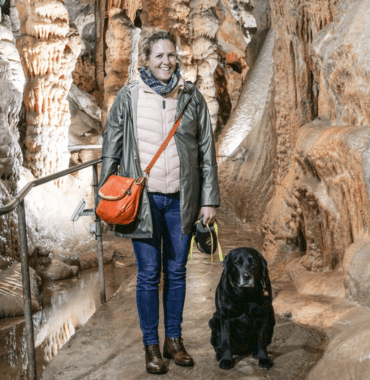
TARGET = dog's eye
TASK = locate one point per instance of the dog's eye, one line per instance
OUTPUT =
(251, 261)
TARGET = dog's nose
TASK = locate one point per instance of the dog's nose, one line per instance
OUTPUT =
(246, 277)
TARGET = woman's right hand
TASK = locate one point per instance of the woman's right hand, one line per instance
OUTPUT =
(209, 214)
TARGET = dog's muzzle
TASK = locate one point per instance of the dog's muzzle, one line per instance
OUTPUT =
(246, 281)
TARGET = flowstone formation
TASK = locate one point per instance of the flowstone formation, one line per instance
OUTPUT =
(297, 23)
(247, 145)
(11, 85)
(318, 218)
(323, 204)
(48, 50)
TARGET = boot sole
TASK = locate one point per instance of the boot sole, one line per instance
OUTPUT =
(169, 356)
(156, 372)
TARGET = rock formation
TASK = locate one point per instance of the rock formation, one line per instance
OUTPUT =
(11, 85)
(122, 38)
(296, 24)
(318, 219)
(81, 15)
(48, 50)
(202, 29)
(324, 197)
(247, 145)
(11, 291)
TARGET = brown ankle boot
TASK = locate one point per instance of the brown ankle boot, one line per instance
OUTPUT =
(153, 359)
(174, 349)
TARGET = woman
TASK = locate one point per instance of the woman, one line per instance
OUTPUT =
(182, 182)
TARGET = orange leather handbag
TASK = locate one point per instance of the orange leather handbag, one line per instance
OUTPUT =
(120, 196)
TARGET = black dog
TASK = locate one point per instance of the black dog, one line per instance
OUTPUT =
(244, 321)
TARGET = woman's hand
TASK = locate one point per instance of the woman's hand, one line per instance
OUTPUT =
(209, 214)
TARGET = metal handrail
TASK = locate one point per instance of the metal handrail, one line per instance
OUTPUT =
(40, 181)
(18, 202)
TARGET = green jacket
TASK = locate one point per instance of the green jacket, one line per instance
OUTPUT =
(195, 146)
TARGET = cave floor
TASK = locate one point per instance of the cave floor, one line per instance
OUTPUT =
(109, 345)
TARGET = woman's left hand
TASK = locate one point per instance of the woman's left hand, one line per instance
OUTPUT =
(209, 214)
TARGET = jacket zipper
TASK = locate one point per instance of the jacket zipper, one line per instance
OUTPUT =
(165, 151)
(181, 192)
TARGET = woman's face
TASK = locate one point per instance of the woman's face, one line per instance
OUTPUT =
(162, 60)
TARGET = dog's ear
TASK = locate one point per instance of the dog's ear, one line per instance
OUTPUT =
(227, 259)
(265, 279)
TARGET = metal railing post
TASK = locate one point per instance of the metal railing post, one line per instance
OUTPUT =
(27, 304)
(98, 235)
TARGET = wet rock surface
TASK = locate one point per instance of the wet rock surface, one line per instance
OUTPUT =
(11, 291)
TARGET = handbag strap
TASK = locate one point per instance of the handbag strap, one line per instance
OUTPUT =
(159, 152)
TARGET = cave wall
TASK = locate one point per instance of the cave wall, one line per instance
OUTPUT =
(11, 83)
(321, 203)
(247, 145)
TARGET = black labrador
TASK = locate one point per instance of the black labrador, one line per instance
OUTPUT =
(244, 321)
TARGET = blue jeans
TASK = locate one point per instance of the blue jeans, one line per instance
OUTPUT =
(168, 248)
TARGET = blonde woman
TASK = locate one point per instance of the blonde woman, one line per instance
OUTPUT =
(182, 182)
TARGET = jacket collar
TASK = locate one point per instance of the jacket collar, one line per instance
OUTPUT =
(183, 99)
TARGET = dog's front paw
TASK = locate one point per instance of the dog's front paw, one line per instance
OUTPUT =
(226, 364)
(265, 363)
(218, 356)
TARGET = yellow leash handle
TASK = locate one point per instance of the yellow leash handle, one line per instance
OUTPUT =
(218, 246)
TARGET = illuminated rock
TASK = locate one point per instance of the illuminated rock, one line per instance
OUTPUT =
(11, 291)
(48, 50)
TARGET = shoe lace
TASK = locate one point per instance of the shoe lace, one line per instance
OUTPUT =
(154, 350)
(178, 344)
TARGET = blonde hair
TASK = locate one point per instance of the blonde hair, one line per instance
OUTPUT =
(147, 41)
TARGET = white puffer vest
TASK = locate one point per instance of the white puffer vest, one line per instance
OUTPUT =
(155, 119)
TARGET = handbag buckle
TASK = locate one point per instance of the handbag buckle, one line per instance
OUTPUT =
(140, 180)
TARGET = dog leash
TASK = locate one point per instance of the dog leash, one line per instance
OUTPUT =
(218, 247)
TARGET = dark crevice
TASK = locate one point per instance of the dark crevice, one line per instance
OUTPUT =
(137, 21)
(301, 240)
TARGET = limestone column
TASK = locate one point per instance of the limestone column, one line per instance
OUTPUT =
(48, 50)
